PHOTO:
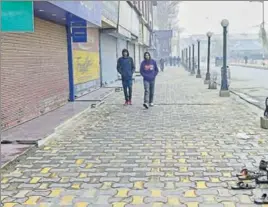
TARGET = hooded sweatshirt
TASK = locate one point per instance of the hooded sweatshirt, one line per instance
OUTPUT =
(125, 66)
(149, 70)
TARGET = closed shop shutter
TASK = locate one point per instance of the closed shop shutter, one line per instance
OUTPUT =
(34, 72)
(108, 57)
(141, 53)
(121, 44)
(86, 64)
(131, 50)
(137, 57)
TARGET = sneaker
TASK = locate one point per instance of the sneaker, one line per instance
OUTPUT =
(129, 103)
(151, 104)
(146, 105)
(126, 103)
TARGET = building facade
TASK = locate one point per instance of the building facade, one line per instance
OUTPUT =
(72, 50)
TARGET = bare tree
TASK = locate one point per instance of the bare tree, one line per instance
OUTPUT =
(167, 14)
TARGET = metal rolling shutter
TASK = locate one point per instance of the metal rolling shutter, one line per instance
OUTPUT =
(34, 72)
(137, 57)
(121, 44)
(108, 59)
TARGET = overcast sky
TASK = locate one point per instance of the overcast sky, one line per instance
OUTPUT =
(198, 17)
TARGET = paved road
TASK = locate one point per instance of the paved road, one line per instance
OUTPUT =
(250, 83)
(183, 152)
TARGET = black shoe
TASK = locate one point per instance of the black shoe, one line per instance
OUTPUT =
(146, 105)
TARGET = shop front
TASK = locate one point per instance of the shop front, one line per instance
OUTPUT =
(108, 42)
(36, 60)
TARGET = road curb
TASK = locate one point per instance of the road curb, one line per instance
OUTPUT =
(42, 142)
(251, 66)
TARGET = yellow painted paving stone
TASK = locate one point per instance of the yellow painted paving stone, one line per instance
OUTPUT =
(64, 180)
(44, 205)
(204, 154)
(10, 204)
(122, 193)
(3, 197)
(34, 180)
(47, 148)
(82, 175)
(156, 161)
(53, 175)
(157, 204)
(32, 200)
(45, 170)
(210, 169)
(4, 180)
(82, 204)
(169, 157)
(185, 180)
(43, 186)
(228, 204)
(170, 174)
(66, 200)
(192, 204)
(75, 186)
(227, 174)
(89, 165)
(182, 160)
(79, 161)
(137, 200)
(106, 185)
(181, 153)
(190, 194)
(173, 201)
(119, 204)
(55, 192)
(168, 151)
(201, 185)
(156, 193)
(183, 169)
(139, 185)
(215, 180)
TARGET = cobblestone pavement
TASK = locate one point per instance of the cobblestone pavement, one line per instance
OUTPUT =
(184, 151)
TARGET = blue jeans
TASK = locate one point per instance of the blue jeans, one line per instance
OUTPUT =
(148, 91)
(127, 86)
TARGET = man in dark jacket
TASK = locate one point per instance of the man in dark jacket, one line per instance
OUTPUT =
(126, 68)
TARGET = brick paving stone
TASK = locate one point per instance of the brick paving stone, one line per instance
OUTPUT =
(183, 152)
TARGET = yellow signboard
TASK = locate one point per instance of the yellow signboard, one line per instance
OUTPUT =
(86, 66)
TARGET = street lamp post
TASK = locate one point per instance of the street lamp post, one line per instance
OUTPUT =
(189, 58)
(207, 80)
(262, 26)
(224, 92)
(198, 60)
(193, 62)
(186, 58)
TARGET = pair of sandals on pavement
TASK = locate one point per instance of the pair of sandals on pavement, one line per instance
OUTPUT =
(246, 174)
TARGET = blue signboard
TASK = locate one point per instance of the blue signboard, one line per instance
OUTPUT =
(87, 10)
(79, 34)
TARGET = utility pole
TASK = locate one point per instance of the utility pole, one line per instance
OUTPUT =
(263, 28)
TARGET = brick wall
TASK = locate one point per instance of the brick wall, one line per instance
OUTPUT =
(34, 73)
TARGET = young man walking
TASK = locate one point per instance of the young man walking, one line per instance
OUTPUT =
(149, 71)
(126, 68)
